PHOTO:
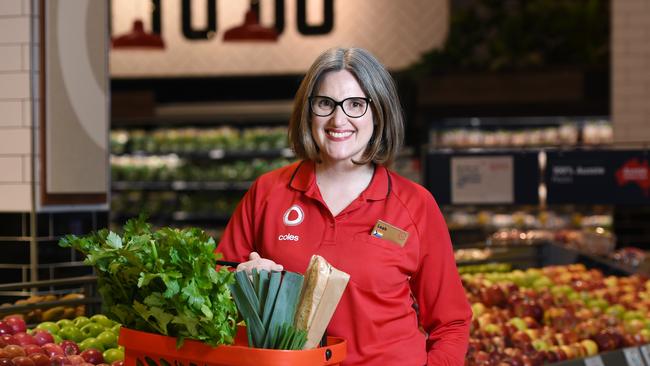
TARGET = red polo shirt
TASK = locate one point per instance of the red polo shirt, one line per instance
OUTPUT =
(284, 218)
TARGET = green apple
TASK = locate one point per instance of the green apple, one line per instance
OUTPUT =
(113, 354)
(633, 326)
(107, 338)
(72, 333)
(91, 343)
(542, 283)
(102, 320)
(64, 322)
(519, 323)
(116, 329)
(540, 345)
(49, 326)
(80, 321)
(91, 329)
(477, 309)
(492, 328)
(616, 310)
(590, 346)
(645, 333)
(632, 314)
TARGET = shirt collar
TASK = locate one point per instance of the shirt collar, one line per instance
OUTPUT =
(304, 179)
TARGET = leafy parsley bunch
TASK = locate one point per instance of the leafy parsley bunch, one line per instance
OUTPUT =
(162, 281)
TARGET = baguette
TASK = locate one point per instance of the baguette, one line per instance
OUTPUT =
(312, 291)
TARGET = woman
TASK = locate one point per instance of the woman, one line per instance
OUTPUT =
(341, 202)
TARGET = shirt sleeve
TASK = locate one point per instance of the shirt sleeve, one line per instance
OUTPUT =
(238, 239)
(445, 313)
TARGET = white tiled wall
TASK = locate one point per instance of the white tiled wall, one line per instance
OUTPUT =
(16, 126)
(631, 70)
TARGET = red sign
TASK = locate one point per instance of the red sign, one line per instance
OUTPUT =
(635, 172)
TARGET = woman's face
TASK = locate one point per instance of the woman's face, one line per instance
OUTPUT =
(339, 137)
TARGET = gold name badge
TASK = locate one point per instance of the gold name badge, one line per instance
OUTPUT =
(386, 231)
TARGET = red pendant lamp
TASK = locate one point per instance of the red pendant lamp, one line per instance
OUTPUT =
(251, 30)
(138, 38)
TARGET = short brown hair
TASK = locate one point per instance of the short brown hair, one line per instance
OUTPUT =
(376, 83)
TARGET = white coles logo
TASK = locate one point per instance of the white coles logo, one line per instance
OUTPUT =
(288, 237)
(293, 216)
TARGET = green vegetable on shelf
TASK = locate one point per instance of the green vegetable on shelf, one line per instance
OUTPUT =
(161, 281)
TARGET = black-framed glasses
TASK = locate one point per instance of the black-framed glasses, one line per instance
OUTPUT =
(353, 107)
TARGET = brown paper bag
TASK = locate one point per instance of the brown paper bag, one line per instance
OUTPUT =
(312, 291)
(322, 291)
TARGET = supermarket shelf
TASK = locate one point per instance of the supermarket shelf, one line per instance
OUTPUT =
(272, 112)
(190, 216)
(29, 238)
(49, 304)
(179, 216)
(88, 284)
(520, 256)
(180, 186)
(218, 154)
(631, 356)
(560, 254)
(548, 253)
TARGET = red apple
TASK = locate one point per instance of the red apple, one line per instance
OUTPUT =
(493, 296)
(13, 351)
(23, 361)
(76, 359)
(16, 322)
(42, 337)
(69, 347)
(6, 362)
(23, 338)
(118, 363)
(59, 360)
(40, 359)
(5, 328)
(8, 339)
(33, 348)
(605, 341)
(93, 356)
(52, 349)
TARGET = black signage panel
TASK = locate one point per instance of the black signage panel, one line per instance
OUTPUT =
(503, 177)
(598, 177)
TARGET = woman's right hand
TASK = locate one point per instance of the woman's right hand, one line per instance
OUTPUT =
(259, 263)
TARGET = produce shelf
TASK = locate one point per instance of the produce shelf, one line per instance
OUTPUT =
(631, 356)
(180, 216)
(180, 186)
(84, 284)
(218, 154)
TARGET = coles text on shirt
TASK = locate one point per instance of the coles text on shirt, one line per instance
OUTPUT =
(386, 231)
(290, 219)
(288, 237)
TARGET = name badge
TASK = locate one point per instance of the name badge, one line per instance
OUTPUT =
(386, 231)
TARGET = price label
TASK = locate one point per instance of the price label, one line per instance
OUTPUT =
(287, 153)
(645, 351)
(482, 179)
(179, 185)
(633, 357)
(594, 361)
(217, 154)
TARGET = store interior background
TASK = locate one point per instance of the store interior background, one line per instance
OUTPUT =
(180, 132)
(528, 120)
